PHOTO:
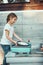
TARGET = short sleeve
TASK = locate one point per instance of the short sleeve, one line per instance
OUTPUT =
(7, 27)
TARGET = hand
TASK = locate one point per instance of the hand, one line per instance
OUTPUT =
(15, 43)
(21, 40)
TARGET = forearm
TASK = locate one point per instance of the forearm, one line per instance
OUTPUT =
(17, 37)
(10, 39)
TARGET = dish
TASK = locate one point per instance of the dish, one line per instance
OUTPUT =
(22, 43)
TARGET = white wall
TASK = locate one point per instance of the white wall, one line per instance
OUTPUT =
(28, 26)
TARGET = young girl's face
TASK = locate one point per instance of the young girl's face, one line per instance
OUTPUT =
(13, 20)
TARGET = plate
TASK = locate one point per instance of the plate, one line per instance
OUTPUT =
(22, 43)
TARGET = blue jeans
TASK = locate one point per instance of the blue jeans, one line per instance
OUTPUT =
(6, 49)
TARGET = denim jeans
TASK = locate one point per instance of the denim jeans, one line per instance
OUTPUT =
(6, 49)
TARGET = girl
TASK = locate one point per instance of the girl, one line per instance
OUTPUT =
(8, 33)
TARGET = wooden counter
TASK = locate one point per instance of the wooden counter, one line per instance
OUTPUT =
(21, 6)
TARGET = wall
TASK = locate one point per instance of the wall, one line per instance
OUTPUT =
(29, 25)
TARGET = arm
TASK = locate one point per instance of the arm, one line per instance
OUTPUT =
(17, 36)
(8, 37)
